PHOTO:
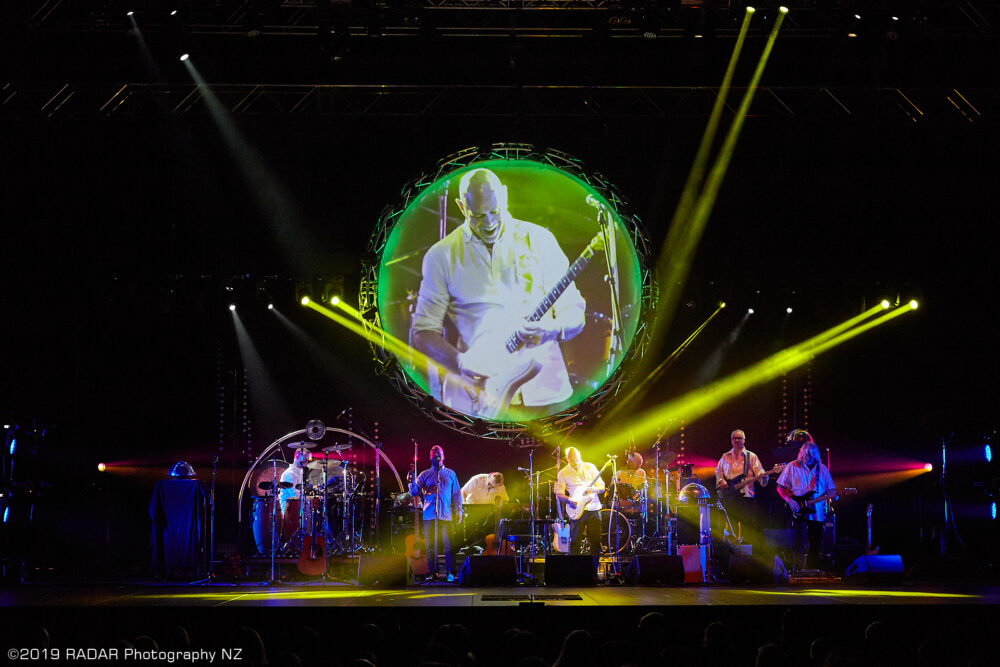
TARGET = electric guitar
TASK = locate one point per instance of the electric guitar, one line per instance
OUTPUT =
(740, 482)
(808, 501)
(582, 496)
(499, 351)
(560, 533)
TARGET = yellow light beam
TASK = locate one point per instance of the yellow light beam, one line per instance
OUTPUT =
(714, 181)
(657, 372)
(699, 402)
(403, 352)
(675, 257)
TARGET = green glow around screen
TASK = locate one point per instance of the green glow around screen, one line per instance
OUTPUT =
(551, 199)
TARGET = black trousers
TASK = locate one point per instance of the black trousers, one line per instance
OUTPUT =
(743, 515)
(806, 538)
(589, 523)
(443, 543)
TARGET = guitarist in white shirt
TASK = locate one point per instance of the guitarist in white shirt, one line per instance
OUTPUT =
(734, 467)
(807, 476)
(485, 277)
(578, 486)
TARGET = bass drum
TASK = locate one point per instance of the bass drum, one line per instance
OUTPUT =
(616, 532)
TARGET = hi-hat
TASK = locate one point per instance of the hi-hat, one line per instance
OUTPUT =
(301, 445)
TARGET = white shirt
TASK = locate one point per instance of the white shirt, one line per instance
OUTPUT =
(488, 292)
(570, 481)
(477, 491)
(730, 466)
(801, 480)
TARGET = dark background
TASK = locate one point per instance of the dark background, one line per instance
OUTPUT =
(123, 232)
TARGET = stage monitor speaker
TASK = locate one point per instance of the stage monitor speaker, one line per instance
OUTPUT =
(488, 571)
(382, 571)
(877, 570)
(655, 570)
(746, 569)
(570, 570)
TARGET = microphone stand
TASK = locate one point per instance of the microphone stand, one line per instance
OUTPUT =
(613, 522)
(611, 263)
(210, 574)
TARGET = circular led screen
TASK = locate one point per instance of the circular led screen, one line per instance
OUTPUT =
(514, 282)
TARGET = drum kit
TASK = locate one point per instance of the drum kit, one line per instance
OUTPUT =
(309, 502)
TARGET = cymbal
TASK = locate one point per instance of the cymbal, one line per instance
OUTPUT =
(337, 448)
(301, 445)
(666, 458)
(331, 465)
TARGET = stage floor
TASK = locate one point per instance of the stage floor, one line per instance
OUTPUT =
(77, 593)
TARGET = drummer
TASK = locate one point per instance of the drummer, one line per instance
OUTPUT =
(294, 475)
(632, 474)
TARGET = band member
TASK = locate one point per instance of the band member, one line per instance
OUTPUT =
(632, 473)
(484, 489)
(737, 463)
(631, 497)
(294, 474)
(806, 476)
(580, 483)
(486, 276)
(442, 499)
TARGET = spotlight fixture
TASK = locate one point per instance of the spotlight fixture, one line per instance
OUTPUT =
(173, 12)
(101, 467)
(722, 304)
(749, 311)
(334, 300)
(987, 453)
(928, 467)
(270, 306)
(783, 9)
(788, 310)
(750, 10)
(857, 16)
(129, 13)
(184, 57)
(885, 303)
(914, 304)
(305, 301)
(232, 306)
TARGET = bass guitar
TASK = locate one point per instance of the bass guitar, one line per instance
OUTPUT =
(808, 501)
(582, 496)
(740, 482)
(511, 365)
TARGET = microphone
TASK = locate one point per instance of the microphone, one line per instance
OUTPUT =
(524, 469)
(593, 201)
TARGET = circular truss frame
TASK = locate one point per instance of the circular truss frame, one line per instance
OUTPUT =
(389, 366)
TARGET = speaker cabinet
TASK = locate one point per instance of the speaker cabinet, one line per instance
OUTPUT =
(488, 571)
(382, 571)
(570, 570)
(655, 570)
(876, 570)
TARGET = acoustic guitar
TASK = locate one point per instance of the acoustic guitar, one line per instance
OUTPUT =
(416, 548)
